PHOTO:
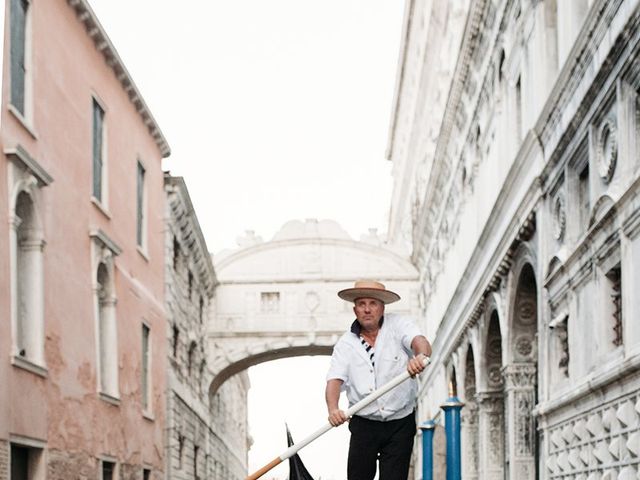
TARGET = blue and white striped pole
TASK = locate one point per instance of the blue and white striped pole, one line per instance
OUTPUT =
(427, 429)
(452, 407)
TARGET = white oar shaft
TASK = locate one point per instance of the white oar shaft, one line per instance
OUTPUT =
(373, 396)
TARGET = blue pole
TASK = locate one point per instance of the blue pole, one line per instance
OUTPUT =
(427, 428)
(452, 407)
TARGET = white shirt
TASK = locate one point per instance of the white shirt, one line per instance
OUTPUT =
(351, 364)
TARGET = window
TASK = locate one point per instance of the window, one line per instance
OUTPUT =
(519, 109)
(27, 242)
(108, 349)
(614, 285)
(26, 462)
(108, 470)
(146, 363)
(190, 357)
(180, 449)
(175, 340)
(146, 474)
(270, 302)
(584, 200)
(98, 152)
(28, 281)
(196, 450)
(176, 252)
(140, 207)
(18, 53)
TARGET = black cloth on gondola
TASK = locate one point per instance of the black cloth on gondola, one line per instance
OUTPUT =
(297, 470)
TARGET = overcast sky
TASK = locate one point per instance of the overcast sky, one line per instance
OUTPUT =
(274, 110)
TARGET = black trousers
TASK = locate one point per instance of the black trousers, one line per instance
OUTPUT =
(389, 442)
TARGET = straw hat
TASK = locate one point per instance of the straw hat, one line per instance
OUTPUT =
(369, 289)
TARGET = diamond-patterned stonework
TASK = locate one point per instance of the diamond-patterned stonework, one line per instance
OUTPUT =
(601, 443)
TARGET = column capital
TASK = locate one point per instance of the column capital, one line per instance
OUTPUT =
(520, 376)
(490, 401)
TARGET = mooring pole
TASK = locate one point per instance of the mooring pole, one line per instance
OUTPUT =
(452, 407)
(427, 429)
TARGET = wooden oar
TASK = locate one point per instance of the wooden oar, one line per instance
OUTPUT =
(293, 449)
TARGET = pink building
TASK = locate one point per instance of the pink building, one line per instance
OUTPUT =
(82, 321)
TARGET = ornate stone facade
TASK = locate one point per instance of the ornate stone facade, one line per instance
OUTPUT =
(520, 207)
(207, 435)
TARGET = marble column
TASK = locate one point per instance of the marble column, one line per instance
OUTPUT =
(469, 426)
(491, 435)
(520, 391)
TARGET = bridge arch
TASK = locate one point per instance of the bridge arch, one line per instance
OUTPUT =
(277, 299)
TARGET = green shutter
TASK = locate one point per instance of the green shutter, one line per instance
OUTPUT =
(98, 127)
(18, 18)
(140, 204)
(145, 366)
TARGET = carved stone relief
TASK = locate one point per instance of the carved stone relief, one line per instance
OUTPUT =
(526, 310)
(559, 217)
(524, 346)
(607, 149)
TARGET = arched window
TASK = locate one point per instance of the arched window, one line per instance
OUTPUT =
(28, 246)
(27, 179)
(107, 332)
(104, 251)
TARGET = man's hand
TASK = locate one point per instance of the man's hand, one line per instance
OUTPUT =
(337, 417)
(416, 365)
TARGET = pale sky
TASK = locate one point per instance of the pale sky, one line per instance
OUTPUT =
(274, 110)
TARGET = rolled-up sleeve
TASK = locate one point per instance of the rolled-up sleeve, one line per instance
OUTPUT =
(409, 330)
(338, 368)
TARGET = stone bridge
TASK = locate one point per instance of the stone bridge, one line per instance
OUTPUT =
(278, 299)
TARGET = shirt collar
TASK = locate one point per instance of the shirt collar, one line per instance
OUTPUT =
(356, 327)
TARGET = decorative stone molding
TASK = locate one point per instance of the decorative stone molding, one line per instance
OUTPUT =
(520, 376)
(21, 157)
(607, 149)
(600, 439)
(559, 217)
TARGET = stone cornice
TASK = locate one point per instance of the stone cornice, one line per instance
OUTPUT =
(277, 244)
(187, 222)
(105, 240)
(309, 278)
(20, 155)
(461, 73)
(103, 44)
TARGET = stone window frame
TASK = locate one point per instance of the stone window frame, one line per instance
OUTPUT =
(101, 202)
(270, 302)
(142, 209)
(24, 115)
(608, 260)
(146, 364)
(560, 344)
(38, 465)
(103, 253)
(113, 461)
(27, 176)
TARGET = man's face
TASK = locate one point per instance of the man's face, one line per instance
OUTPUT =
(368, 311)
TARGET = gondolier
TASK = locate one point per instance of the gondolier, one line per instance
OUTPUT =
(376, 348)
